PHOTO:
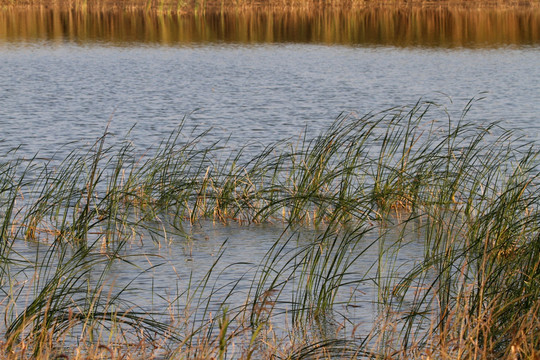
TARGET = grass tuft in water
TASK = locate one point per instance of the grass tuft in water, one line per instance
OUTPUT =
(363, 190)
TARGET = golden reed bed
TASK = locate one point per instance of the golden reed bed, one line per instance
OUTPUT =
(187, 6)
(401, 24)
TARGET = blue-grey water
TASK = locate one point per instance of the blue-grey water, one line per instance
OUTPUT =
(51, 94)
(55, 97)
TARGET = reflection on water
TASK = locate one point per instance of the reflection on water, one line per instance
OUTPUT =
(397, 26)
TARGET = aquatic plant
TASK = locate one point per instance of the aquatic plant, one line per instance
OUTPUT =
(363, 189)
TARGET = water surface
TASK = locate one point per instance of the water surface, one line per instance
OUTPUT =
(395, 25)
(54, 94)
(250, 80)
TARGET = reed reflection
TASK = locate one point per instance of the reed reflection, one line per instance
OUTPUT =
(395, 26)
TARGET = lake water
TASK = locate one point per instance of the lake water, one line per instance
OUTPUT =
(64, 75)
(54, 94)
(252, 80)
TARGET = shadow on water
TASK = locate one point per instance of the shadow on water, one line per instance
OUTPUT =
(402, 26)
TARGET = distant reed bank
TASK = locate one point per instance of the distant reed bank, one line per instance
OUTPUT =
(456, 25)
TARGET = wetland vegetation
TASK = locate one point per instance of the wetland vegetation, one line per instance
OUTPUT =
(402, 26)
(467, 192)
(407, 233)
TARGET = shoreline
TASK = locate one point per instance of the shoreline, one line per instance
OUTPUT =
(223, 6)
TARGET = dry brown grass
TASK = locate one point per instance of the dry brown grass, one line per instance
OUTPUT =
(189, 6)
(401, 26)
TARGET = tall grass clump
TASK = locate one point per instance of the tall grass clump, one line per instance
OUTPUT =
(350, 203)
